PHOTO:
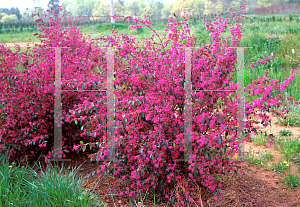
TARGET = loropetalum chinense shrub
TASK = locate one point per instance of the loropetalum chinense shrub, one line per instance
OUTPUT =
(149, 107)
(28, 94)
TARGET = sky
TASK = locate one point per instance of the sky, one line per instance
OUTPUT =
(23, 4)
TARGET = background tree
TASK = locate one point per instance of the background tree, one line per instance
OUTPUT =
(103, 8)
(133, 8)
(265, 3)
(9, 18)
(82, 8)
(54, 4)
(141, 4)
(167, 11)
(4, 10)
(155, 8)
(10, 15)
(26, 15)
(16, 11)
(158, 6)
(121, 2)
(234, 4)
(209, 7)
(66, 5)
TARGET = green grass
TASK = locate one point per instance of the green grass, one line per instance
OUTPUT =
(281, 166)
(285, 132)
(22, 186)
(296, 159)
(289, 147)
(291, 180)
(262, 160)
(260, 139)
(18, 37)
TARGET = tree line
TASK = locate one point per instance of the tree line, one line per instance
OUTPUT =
(156, 9)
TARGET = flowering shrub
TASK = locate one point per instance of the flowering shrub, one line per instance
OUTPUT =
(149, 133)
(149, 91)
(28, 94)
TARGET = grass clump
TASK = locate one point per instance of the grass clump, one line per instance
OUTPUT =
(281, 166)
(260, 139)
(289, 147)
(22, 186)
(291, 180)
(262, 160)
(285, 132)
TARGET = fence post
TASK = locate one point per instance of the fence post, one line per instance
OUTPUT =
(58, 109)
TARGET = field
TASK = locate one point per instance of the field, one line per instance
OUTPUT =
(271, 174)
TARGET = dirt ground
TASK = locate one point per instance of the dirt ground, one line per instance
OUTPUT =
(275, 128)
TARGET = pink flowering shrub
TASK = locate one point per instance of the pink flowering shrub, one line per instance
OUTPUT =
(150, 110)
(149, 107)
(29, 94)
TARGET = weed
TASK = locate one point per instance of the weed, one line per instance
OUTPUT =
(260, 139)
(281, 166)
(285, 132)
(262, 160)
(296, 159)
(292, 180)
(289, 147)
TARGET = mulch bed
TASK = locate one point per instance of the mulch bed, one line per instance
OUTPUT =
(248, 188)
